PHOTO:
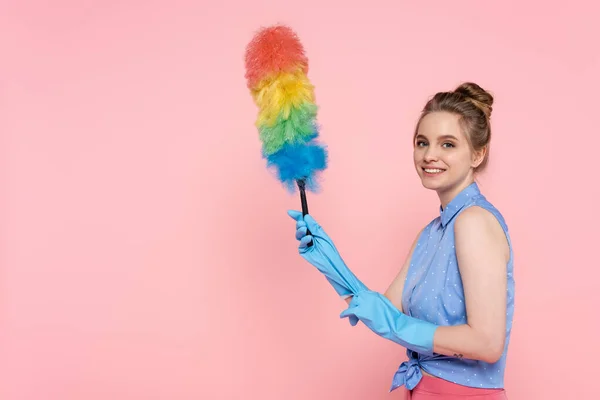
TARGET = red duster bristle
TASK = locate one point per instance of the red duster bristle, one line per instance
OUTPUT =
(274, 49)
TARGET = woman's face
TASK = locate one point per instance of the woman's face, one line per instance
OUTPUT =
(443, 157)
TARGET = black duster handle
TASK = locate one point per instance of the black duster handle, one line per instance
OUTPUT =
(302, 188)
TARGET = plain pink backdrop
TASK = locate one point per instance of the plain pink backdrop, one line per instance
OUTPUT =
(146, 251)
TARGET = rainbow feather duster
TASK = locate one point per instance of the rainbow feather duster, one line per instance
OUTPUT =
(276, 74)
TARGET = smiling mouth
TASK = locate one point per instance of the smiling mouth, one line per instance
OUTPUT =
(433, 170)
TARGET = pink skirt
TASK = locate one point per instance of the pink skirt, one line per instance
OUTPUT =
(436, 388)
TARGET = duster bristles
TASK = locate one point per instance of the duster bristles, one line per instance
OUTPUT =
(272, 50)
(276, 73)
(281, 95)
(298, 128)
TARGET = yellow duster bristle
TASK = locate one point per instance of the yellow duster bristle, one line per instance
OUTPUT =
(278, 94)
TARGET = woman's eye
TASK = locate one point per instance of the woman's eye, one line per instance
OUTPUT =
(420, 143)
(447, 145)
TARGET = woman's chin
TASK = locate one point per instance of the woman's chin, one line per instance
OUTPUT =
(431, 183)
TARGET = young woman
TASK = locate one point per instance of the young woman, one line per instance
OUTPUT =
(451, 304)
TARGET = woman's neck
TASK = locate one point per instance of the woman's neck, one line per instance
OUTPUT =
(449, 194)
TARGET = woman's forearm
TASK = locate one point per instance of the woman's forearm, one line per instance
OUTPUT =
(463, 341)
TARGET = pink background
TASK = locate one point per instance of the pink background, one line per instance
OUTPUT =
(146, 251)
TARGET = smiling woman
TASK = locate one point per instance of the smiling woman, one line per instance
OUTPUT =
(452, 139)
(451, 304)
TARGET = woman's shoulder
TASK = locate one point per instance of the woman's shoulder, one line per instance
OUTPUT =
(480, 221)
(481, 232)
(475, 215)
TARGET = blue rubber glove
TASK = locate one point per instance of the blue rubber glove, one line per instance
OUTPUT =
(324, 256)
(384, 318)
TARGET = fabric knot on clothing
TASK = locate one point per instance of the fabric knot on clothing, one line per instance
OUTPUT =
(408, 374)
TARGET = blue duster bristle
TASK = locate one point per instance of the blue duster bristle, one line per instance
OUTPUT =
(300, 161)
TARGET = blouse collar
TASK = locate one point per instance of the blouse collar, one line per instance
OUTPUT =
(458, 202)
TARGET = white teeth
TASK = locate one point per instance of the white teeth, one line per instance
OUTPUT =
(433, 171)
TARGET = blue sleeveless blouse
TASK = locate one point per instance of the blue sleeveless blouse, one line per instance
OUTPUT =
(433, 292)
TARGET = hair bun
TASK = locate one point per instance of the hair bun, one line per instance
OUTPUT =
(478, 96)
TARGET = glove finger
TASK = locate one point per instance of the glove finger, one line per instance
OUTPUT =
(305, 241)
(300, 224)
(300, 233)
(354, 302)
(296, 215)
(352, 318)
(312, 224)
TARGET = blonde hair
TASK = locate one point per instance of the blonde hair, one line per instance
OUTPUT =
(474, 106)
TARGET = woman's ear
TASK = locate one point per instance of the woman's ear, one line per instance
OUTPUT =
(478, 157)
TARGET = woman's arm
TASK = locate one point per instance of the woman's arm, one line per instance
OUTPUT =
(394, 291)
(482, 253)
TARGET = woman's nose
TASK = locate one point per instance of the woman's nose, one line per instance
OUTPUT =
(430, 154)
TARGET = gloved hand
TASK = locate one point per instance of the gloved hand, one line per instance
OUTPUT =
(384, 318)
(324, 256)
